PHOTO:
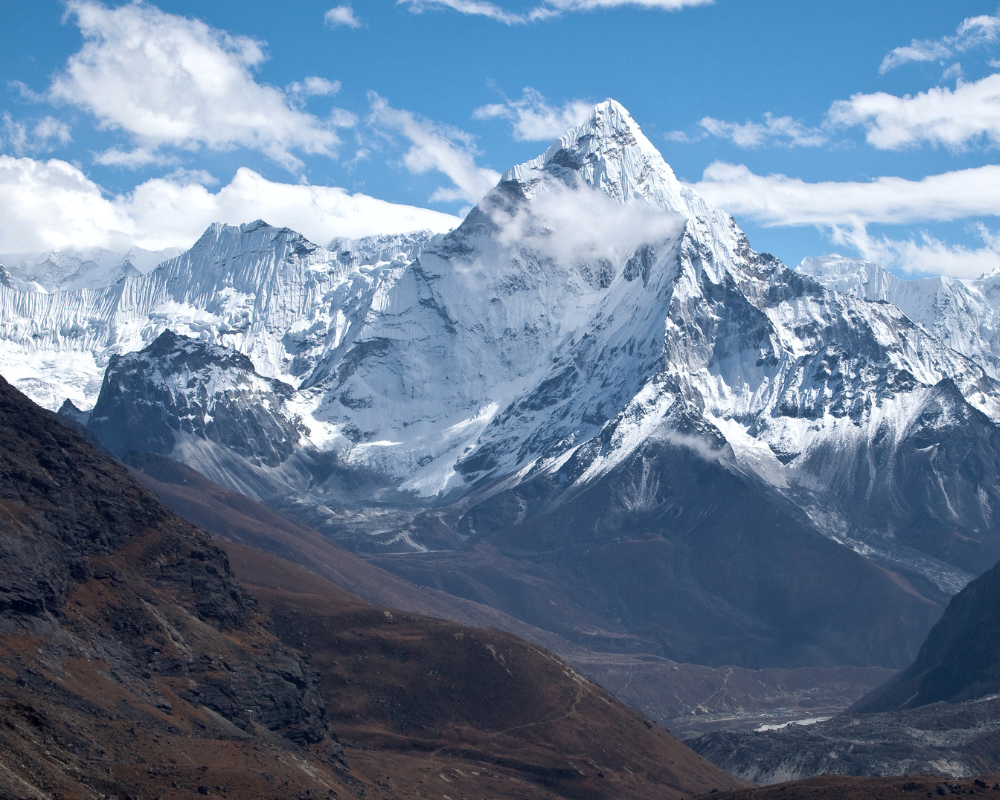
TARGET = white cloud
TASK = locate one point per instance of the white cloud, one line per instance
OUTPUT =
(973, 32)
(546, 10)
(777, 200)
(479, 8)
(941, 116)
(573, 226)
(533, 119)
(342, 15)
(171, 81)
(928, 256)
(437, 147)
(21, 138)
(846, 209)
(46, 205)
(314, 85)
(133, 159)
(953, 73)
(594, 5)
(779, 130)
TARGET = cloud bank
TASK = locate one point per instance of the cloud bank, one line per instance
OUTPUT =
(777, 200)
(954, 118)
(846, 209)
(47, 205)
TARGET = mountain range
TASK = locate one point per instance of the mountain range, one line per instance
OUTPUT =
(592, 406)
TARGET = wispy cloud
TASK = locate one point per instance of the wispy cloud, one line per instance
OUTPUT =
(535, 120)
(46, 205)
(953, 118)
(342, 15)
(38, 136)
(547, 9)
(973, 32)
(434, 146)
(783, 131)
(172, 81)
(314, 86)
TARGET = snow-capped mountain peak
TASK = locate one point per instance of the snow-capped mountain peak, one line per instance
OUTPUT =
(611, 153)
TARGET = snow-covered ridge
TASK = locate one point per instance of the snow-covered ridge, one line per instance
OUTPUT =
(964, 314)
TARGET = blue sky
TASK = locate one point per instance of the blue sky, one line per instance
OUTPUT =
(870, 128)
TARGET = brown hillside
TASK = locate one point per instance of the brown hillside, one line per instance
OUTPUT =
(133, 664)
(131, 661)
(442, 708)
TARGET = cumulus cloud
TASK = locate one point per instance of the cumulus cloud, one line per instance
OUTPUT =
(926, 255)
(546, 10)
(37, 136)
(774, 130)
(533, 119)
(941, 116)
(46, 205)
(342, 15)
(777, 200)
(973, 32)
(434, 146)
(171, 81)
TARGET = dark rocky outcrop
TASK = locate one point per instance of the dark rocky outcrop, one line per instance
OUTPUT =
(179, 385)
(959, 661)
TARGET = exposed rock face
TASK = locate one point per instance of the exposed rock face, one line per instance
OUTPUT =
(669, 693)
(132, 663)
(964, 314)
(434, 705)
(180, 386)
